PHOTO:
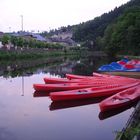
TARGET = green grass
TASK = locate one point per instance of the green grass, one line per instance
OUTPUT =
(14, 55)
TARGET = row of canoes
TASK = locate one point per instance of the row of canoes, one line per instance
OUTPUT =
(119, 91)
(122, 65)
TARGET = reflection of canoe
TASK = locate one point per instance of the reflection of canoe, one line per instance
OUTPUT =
(73, 103)
(40, 94)
(89, 92)
(124, 73)
(121, 99)
(110, 113)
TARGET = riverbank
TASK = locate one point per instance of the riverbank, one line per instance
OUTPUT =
(38, 53)
(5, 55)
(132, 128)
(129, 56)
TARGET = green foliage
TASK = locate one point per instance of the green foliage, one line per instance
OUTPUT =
(32, 43)
(58, 31)
(20, 42)
(124, 35)
(129, 134)
(94, 30)
(5, 39)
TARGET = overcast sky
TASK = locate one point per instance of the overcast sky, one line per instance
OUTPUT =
(49, 14)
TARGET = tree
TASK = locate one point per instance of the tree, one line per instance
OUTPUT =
(124, 35)
(14, 40)
(5, 39)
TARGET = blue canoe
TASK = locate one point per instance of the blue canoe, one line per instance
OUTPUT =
(114, 66)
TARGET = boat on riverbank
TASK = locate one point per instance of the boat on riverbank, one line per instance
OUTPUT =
(121, 99)
(130, 74)
(122, 65)
(123, 90)
(89, 92)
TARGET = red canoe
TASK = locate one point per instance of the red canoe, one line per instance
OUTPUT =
(73, 76)
(121, 99)
(102, 75)
(57, 80)
(72, 86)
(89, 92)
(112, 80)
(49, 80)
(65, 86)
(95, 75)
(64, 80)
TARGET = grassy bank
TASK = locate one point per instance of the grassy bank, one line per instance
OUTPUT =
(14, 55)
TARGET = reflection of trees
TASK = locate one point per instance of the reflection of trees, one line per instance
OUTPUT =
(89, 64)
(53, 65)
(18, 68)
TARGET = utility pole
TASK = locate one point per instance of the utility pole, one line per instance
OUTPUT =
(21, 22)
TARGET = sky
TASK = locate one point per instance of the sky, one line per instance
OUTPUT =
(44, 15)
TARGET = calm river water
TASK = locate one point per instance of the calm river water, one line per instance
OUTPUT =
(27, 115)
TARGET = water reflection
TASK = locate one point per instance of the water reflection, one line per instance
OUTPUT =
(40, 94)
(108, 114)
(22, 86)
(73, 103)
(55, 65)
(22, 116)
(5, 134)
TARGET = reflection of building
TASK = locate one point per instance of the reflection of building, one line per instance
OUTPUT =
(132, 129)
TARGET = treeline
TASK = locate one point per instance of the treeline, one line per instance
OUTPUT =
(58, 31)
(22, 48)
(123, 36)
(31, 43)
(116, 31)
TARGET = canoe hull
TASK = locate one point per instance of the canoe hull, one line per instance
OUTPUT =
(121, 99)
(89, 92)
(63, 87)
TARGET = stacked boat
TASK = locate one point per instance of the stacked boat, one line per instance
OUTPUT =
(122, 65)
(119, 91)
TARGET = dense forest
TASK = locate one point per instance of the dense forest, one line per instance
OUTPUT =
(115, 32)
(123, 36)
